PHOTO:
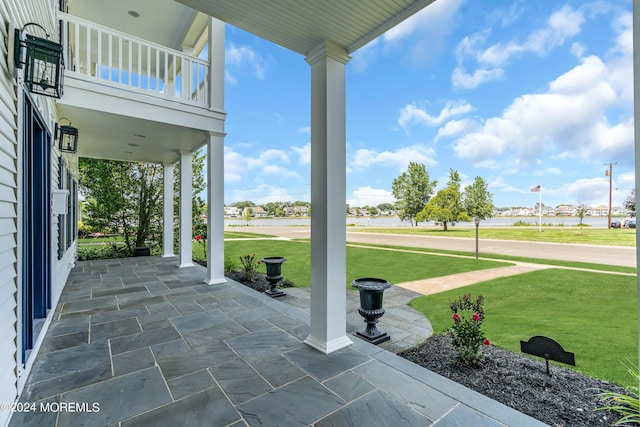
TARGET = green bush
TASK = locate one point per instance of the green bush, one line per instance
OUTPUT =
(230, 264)
(91, 252)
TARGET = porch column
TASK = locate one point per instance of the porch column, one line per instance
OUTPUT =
(636, 127)
(186, 210)
(328, 198)
(215, 209)
(167, 210)
(216, 64)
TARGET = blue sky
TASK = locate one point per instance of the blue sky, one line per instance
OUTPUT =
(520, 93)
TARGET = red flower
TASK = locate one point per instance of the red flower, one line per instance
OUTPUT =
(456, 317)
(486, 342)
(198, 237)
(476, 317)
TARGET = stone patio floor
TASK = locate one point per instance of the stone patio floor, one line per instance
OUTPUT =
(140, 342)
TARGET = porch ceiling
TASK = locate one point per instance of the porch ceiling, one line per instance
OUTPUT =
(119, 137)
(164, 22)
(301, 25)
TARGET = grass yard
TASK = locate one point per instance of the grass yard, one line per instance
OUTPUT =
(593, 315)
(361, 262)
(569, 234)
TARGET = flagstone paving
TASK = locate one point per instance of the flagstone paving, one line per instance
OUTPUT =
(140, 342)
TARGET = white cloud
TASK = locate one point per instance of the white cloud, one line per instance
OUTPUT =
(435, 18)
(411, 113)
(569, 120)
(461, 79)
(455, 127)
(490, 62)
(262, 194)
(234, 165)
(365, 158)
(304, 153)
(279, 170)
(243, 56)
(369, 196)
(266, 158)
(425, 30)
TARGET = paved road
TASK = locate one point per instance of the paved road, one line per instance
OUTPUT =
(613, 255)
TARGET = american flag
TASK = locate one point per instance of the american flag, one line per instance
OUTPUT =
(537, 188)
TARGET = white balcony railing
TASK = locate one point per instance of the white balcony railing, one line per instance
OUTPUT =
(97, 53)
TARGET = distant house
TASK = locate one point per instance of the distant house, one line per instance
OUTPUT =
(301, 210)
(600, 210)
(566, 210)
(231, 211)
(254, 211)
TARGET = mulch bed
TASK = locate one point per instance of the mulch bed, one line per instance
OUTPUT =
(567, 398)
(259, 282)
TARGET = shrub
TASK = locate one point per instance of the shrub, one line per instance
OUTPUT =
(250, 266)
(86, 253)
(230, 264)
(466, 332)
(626, 404)
(521, 223)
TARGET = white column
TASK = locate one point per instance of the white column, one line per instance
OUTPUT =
(167, 210)
(328, 199)
(636, 115)
(216, 64)
(215, 210)
(186, 214)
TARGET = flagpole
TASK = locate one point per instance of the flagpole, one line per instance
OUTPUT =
(540, 208)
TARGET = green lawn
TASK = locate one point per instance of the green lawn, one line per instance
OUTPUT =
(361, 262)
(591, 314)
(566, 234)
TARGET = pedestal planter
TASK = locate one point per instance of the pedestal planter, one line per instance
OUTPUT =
(274, 275)
(371, 292)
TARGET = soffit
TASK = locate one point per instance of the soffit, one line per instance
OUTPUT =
(302, 25)
(165, 22)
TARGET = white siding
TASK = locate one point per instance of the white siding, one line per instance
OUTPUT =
(17, 13)
(8, 236)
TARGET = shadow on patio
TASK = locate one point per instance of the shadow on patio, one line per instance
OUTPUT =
(139, 342)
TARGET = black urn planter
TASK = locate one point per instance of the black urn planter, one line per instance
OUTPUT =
(371, 292)
(274, 274)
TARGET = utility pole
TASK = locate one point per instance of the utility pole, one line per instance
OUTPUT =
(609, 173)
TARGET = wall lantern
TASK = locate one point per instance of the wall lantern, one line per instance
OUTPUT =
(67, 137)
(42, 61)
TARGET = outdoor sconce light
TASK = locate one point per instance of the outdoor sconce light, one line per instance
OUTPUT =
(67, 137)
(42, 61)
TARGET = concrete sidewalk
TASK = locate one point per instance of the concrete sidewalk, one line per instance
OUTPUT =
(453, 281)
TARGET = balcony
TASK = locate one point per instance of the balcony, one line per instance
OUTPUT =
(102, 55)
(139, 342)
(135, 100)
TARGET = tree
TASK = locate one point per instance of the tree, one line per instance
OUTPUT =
(630, 203)
(412, 190)
(477, 201)
(126, 198)
(446, 205)
(581, 211)
(122, 197)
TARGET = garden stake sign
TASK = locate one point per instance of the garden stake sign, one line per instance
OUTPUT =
(542, 346)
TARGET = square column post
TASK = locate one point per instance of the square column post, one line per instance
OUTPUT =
(636, 115)
(186, 210)
(215, 210)
(328, 198)
(216, 64)
(167, 210)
